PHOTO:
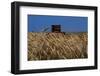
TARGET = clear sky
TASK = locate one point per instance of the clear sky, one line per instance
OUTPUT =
(38, 23)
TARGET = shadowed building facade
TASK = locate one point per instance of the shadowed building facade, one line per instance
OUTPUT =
(56, 28)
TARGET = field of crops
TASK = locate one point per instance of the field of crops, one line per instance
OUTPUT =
(51, 46)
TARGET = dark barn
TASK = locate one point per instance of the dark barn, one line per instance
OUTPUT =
(56, 28)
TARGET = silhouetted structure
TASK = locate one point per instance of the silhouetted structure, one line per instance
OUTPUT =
(56, 28)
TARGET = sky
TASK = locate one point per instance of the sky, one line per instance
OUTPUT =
(37, 23)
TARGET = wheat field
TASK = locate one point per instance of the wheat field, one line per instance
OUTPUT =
(53, 46)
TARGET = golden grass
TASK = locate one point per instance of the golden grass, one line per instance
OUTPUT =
(50, 46)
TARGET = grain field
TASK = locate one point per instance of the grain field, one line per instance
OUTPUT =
(53, 46)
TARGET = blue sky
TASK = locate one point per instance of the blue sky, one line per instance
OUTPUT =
(37, 23)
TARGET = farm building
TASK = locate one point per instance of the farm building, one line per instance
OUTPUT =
(56, 28)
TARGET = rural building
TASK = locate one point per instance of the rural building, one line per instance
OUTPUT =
(56, 28)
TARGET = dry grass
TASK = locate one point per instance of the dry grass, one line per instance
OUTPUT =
(50, 46)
